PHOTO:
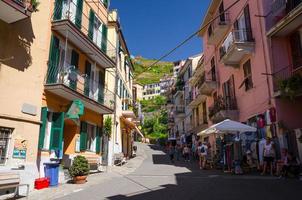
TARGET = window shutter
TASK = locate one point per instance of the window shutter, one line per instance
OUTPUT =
(83, 136)
(248, 23)
(42, 127)
(58, 10)
(87, 79)
(104, 38)
(101, 95)
(78, 19)
(54, 56)
(74, 62)
(57, 129)
(106, 3)
(91, 24)
(296, 49)
(98, 140)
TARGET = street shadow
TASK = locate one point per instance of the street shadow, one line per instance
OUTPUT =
(16, 41)
(217, 188)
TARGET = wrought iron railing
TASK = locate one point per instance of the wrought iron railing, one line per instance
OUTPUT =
(179, 109)
(69, 76)
(92, 27)
(223, 19)
(222, 103)
(235, 36)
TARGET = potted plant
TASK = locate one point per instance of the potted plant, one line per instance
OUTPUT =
(79, 170)
(108, 127)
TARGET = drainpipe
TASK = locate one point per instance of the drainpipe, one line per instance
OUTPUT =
(265, 56)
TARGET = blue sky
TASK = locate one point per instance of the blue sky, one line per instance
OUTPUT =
(153, 27)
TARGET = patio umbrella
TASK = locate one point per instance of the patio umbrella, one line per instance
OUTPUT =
(228, 126)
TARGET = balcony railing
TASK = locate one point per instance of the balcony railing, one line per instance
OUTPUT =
(287, 77)
(223, 104)
(179, 109)
(91, 26)
(236, 36)
(82, 84)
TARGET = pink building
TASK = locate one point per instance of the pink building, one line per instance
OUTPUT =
(235, 57)
(252, 49)
(284, 32)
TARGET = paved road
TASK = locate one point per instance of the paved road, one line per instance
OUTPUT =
(157, 178)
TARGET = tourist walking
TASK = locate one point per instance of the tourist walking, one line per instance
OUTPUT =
(269, 154)
(171, 152)
(186, 153)
(202, 152)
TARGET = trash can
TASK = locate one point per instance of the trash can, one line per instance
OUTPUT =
(52, 173)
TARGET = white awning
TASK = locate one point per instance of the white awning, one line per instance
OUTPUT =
(228, 126)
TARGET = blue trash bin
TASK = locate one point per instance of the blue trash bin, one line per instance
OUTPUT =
(52, 172)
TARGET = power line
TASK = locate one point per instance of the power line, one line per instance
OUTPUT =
(187, 39)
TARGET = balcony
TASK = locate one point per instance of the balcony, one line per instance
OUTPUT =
(180, 111)
(218, 29)
(224, 108)
(207, 86)
(14, 10)
(288, 82)
(88, 33)
(285, 18)
(238, 44)
(70, 84)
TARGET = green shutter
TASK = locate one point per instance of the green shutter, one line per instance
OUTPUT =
(78, 19)
(101, 87)
(54, 56)
(104, 38)
(42, 127)
(91, 24)
(106, 3)
(83, 136)
(74, 62)
(98, 140)
(87, 78)
(58, 10)
(57, 128)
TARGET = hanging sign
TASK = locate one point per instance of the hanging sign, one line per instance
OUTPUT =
(20, 147)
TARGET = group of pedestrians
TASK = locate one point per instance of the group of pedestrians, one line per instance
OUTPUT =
(197, 152)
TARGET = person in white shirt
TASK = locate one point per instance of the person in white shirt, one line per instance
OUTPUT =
(268, 155)
(202, 150)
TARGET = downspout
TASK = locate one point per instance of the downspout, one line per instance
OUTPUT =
(265, 56)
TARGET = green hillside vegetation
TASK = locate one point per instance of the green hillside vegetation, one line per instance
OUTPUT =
(145, 76)
(155, 126)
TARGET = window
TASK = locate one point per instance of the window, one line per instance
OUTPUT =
(248, 81)
(213, 69)
(242, 26)
(91, 137)
(5, 135)
(296, 49)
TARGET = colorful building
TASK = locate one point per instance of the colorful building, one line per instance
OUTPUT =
(120, 80)
(151, 90)
(75, 97)
(284, 32)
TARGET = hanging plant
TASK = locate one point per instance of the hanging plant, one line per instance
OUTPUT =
(34, 5)
(108, 127)
(291, 87)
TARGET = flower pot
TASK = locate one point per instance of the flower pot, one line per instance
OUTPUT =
(79, 179)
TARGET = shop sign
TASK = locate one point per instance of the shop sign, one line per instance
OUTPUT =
(20, 147)
(75, 110)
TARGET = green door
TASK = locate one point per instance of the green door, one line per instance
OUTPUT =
(57, 128)
(53, 62)
(78, 17)
(83, 136)
(57, 15)
(101, 87)
(87, 78)
(73, 76)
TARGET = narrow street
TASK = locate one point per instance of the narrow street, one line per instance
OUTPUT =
(157, 178)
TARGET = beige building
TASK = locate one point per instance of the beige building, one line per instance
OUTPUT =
(24, 44)
(53, 69)
(120, 80)
(151, 90)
